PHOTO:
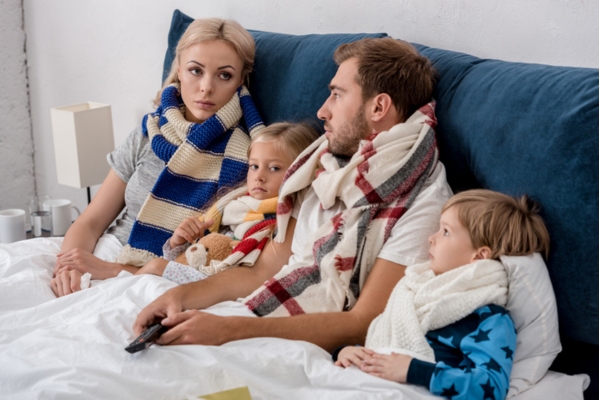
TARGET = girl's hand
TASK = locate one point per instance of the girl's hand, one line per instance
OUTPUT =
(189, 230)
(393, 367)
(353, 355)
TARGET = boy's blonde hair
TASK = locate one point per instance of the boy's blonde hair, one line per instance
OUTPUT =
(207, 29)
(507, 225)
(289, 138)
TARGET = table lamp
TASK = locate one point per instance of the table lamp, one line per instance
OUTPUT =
(83, 136)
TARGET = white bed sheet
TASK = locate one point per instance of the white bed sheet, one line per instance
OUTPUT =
(73, 347)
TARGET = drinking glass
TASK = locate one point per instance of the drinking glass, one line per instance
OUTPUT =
(41, 218)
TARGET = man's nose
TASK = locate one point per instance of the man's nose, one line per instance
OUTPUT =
(324, 113)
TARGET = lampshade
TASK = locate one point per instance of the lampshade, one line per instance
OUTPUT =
(83, 136)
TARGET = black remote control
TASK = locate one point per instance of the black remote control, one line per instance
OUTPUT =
(147, 337)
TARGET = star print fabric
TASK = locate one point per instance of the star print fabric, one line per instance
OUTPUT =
(474, 357)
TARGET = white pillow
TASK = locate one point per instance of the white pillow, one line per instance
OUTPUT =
(532, 306)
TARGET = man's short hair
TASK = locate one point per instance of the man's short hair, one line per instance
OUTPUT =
(387, 65)
(507, 225)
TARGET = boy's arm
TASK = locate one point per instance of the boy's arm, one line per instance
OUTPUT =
(327, 330)
(488, 363)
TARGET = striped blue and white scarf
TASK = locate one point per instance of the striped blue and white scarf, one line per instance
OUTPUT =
(200, 159)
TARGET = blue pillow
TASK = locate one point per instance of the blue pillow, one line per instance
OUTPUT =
(291, 72)
(530, 129)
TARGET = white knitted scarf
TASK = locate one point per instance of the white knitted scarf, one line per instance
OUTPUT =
(422, 302)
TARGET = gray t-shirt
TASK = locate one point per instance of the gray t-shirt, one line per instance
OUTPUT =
(137, 165)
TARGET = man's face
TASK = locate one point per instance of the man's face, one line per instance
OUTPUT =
(344, 111)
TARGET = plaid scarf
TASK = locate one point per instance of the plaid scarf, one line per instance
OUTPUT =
(423, 302)
(252, 222)
(200, 159)
(376, 186)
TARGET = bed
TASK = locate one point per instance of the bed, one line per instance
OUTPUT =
(73, 347)
(499, 125)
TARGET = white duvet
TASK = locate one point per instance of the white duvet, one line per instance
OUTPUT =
(73, 347)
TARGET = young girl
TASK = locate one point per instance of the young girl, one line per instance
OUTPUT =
(447, 315)
(270, 154)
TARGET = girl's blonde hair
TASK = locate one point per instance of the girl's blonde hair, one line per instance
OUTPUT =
(201, 30)
(507, 225)
(289, 138)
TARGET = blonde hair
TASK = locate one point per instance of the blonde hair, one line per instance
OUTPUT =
(289, 138)
(507, 225)
(202, 30)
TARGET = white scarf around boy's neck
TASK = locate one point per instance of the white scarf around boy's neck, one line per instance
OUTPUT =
(422, 302)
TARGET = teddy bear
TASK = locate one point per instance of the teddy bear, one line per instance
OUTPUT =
(213, 246)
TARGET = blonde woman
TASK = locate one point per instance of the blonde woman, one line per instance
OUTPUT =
(202, 109)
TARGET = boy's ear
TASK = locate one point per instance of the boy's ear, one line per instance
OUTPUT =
(483, 253)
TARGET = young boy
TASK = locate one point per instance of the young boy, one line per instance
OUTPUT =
(447, 315)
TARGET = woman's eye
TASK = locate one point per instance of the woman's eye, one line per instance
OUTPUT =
(225, 76)
(195, 71)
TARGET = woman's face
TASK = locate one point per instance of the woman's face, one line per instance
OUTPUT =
(209, 72)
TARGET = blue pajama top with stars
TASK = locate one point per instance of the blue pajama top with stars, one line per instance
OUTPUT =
(474, 357)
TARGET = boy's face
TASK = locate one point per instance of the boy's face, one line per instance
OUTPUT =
(451, 246)
(266, 169)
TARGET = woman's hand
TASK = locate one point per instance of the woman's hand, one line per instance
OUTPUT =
(83, 261)
(393, 367)
(188, 231)
(155, 267)
(66, 282)
(353, 355)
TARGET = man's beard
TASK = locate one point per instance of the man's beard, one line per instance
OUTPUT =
(349, 135)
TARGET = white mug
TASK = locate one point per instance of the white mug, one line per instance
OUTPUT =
(12, 225)
(61, 215)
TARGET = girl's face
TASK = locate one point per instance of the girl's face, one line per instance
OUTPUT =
(209, 72)
(451, 246)
(266, 168)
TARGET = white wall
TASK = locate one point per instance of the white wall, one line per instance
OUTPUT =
(111, 51)
(16, 146)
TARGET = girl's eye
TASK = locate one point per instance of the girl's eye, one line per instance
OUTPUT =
(253, 166)
(446, 233)
(225, 76)
(275, 169)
